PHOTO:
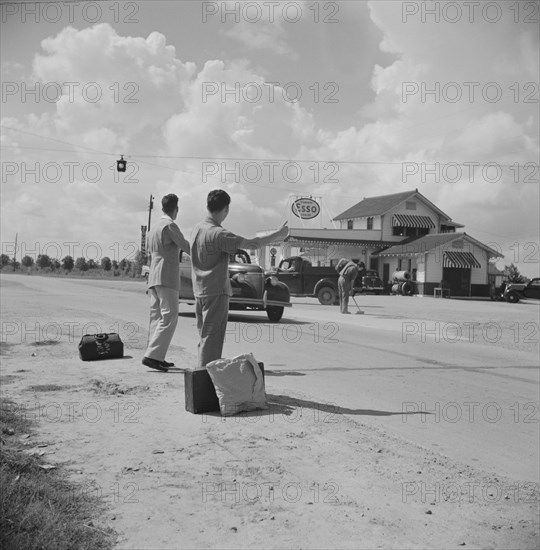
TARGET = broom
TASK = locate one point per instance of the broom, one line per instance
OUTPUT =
(359, 312)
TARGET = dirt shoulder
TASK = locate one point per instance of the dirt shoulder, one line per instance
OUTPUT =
(300, 475)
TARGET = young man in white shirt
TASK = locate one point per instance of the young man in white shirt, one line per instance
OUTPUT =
(164, 243)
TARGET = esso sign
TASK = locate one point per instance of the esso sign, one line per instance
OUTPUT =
(306, 209)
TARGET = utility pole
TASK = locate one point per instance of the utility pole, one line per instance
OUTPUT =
(15, 252)
(150, 206)
(145, 230)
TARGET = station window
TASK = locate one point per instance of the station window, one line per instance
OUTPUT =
(370, 223)
(410, 205)
(400, 231)
(349, 224)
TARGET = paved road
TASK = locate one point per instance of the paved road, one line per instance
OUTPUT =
(482, 395)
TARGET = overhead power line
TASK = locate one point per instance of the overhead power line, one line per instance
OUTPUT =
(243, 159)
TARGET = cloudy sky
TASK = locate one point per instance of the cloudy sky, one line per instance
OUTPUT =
(339, 100)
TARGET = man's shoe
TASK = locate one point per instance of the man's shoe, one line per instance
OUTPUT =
(155, 364)
(168, 365)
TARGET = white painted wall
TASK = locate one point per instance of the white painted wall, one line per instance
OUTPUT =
(361, 223)
(479, 276)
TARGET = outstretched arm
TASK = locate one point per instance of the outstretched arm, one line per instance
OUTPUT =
(257, 242)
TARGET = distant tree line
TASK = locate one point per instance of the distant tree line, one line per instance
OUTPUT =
(46, 264)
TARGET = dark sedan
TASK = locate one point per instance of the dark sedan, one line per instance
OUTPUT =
(251, 289)
(514, 292)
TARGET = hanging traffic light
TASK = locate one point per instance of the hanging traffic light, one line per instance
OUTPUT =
(121, 164)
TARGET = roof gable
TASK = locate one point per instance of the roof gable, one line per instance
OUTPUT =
(376, 206)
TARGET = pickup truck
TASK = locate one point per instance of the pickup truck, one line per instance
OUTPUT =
(252, 289)
(322, 282)
(514, 292)
(305, 280)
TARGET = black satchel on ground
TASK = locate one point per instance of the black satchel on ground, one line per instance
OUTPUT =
(93, 347)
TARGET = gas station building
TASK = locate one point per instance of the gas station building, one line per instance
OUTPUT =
(401, 231)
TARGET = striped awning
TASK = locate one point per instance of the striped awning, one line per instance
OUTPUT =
(462, 260)
(408, 220)
(352, 242)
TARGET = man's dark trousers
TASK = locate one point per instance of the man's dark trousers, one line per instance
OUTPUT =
(212, 313)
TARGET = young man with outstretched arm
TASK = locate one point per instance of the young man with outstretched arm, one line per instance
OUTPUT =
(211, 245)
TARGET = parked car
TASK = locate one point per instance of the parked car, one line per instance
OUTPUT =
(305, 280)
(514, 292)
(251, 288)
(371, 282)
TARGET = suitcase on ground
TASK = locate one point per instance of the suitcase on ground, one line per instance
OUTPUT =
(200, 394)
(94, 347)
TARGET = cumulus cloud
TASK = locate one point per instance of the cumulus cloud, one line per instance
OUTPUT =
(224, 117)
(433, 129)
(168, 117)
(129, 73)
(187, 115)
(112, 82)
(260, 25)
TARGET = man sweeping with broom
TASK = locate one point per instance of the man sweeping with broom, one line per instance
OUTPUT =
(348, 271)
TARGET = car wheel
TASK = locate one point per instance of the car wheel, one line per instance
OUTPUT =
(275, 313)
(512, 297)
(327, 296)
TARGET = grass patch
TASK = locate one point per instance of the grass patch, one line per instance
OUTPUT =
(112, 388)
(5, 348)
(11, 417)
(39, 508)
(47, 387)
(8, 378)
(46, 343)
